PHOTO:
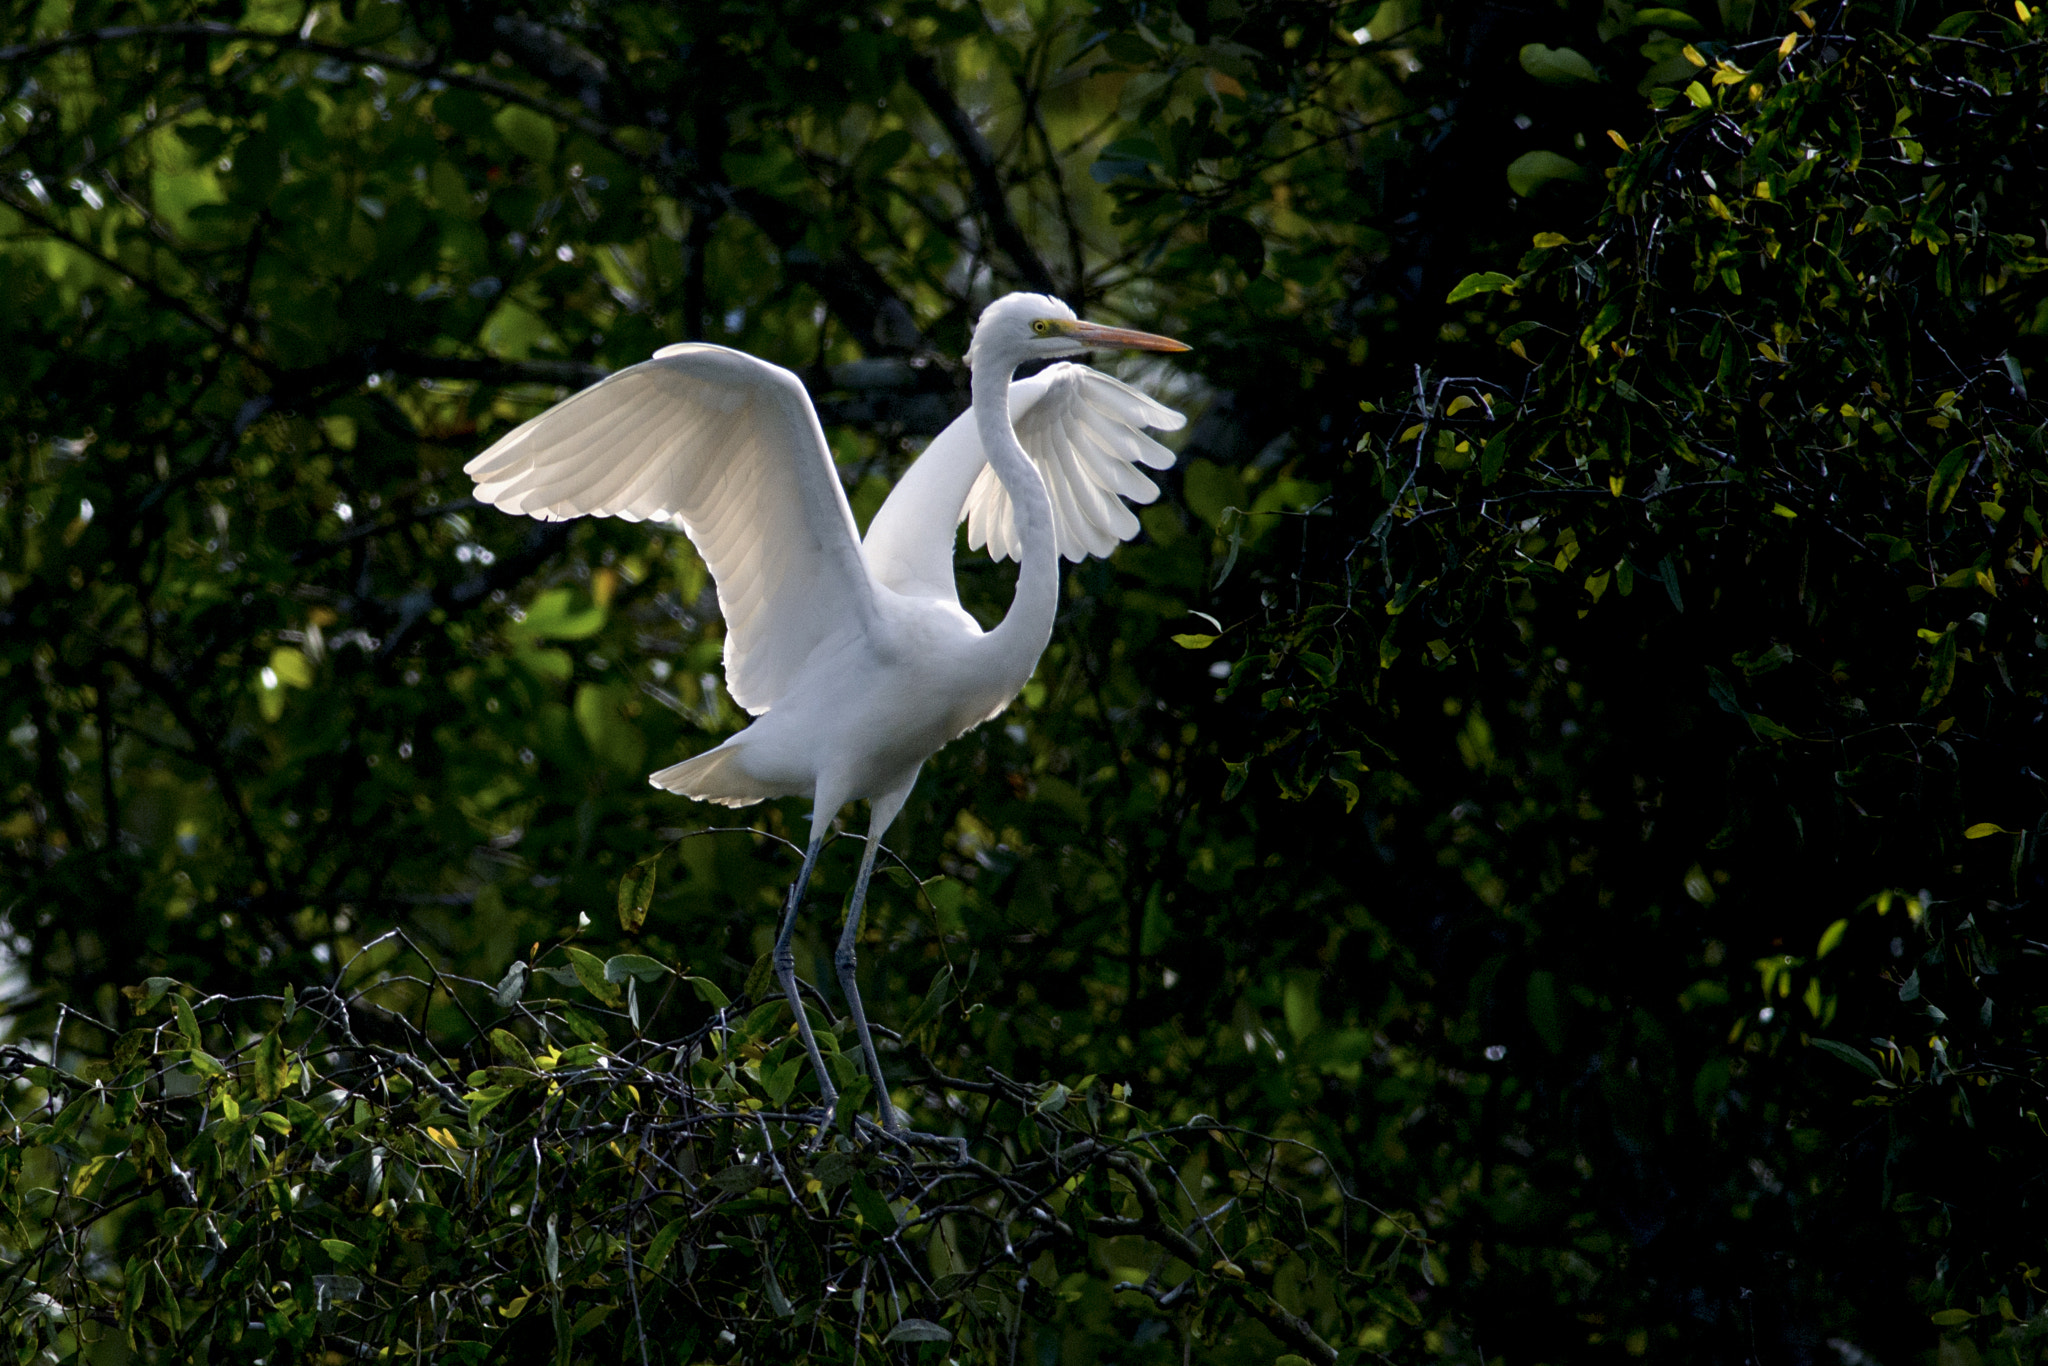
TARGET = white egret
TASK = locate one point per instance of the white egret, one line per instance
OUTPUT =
(856, 657)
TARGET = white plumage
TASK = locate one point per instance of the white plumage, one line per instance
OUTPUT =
(1086, 433)
(732, 446)
(856, 658)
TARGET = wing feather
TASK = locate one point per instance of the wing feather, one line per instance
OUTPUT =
(731, 447)
(1085, 431)
(1098, 474)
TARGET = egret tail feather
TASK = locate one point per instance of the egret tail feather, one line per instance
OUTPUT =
(715, 776)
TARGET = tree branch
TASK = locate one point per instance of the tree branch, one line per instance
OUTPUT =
(982, 176)
(555, 58)
(887, 392)
(204, 322)
(1289, 1328)
(209, 750)
(432, 68)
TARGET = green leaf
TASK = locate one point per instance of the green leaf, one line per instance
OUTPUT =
(451, 191)
(778, 1302)
(529, 133)
(1723, 692)
(636, 893)
(1763, 727)
(464, 111)
(1483, 282)
(780, 1081)
(1395, 1301)
(1985, 829)
(761, 984)
(1675, 20)
(853, 1100)
(600, 712)
(835, 1167)
(512, 1049)
(880, 156)
(1941, 672)
(765, 1020)
(188, 1023)
(268, 1068)
(292, 668)
(1767, 729)
(482, 1102)
(1234, 775)
(1755, 665)
(917, 1330)
(553, 617)
(1494, 458)
(582, 1055)
(554, 666)
(589, 969)
(1557, 65)
(637, 965)
(345, 1254)
(1855, 1057)
(935, 1000)
(1948, 479)
(1194, 642)
(153, 989)
(874, 1210)
(741, 1178)
(708, 992)
(1531, 171)
(1831, 938)
(664, 1243)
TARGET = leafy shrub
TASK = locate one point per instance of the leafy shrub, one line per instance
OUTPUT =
(544, 1176)
(1762, 515)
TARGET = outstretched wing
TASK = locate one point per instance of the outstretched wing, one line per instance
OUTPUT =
(730, 447)
(1086, 435)
(1084, 431)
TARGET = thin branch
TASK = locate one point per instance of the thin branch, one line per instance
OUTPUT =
(428, 68)
(979, 162)
(206, 323)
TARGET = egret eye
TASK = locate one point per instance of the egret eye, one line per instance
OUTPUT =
(1041, 327)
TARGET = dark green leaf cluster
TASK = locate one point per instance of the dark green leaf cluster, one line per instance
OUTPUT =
(566, 1177)
(1762, 516)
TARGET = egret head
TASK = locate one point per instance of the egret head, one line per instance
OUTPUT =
(1021, 327)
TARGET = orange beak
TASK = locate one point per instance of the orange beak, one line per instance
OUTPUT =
(1122, 338)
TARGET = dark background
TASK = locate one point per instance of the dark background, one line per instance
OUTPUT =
(1488, 882)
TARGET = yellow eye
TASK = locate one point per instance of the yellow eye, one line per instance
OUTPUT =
(1041, 327)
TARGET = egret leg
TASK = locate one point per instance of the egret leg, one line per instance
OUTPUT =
(845, 960)
(881, 811)
(785, 970)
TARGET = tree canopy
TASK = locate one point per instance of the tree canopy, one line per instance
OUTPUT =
(1533, 854)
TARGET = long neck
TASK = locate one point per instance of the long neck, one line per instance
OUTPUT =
(1021, 637)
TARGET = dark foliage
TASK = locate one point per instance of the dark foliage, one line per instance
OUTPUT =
(1595, 810)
